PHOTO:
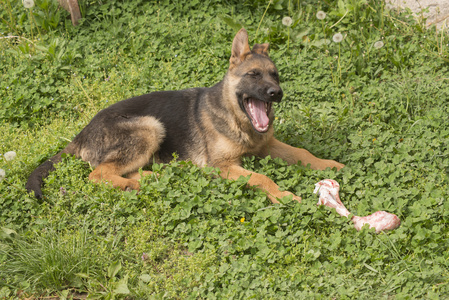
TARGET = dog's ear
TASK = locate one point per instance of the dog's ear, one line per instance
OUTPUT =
(240, 48)
(261, 49)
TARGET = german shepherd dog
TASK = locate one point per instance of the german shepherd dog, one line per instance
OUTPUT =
(213, 126)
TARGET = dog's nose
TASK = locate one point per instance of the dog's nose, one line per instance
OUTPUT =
(275, 93)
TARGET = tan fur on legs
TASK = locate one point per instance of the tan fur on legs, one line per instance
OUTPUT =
(212, 126)
(257, 180)
(111, 173)
(293, 155)
(136, 175)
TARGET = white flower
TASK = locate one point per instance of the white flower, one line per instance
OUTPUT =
(10, 155)
(337, 38)
(28, 3)
(2, 174)
(321, 15)
(287, 21)
(378, 44)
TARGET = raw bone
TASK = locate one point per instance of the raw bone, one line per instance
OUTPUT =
(328, 189)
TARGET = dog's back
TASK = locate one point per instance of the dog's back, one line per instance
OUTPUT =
(168, 122)
(213, 126)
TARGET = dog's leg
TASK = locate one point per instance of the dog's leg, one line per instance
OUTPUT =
(111, 173)
(257, 180)
(293, 155)
(136, 175)
(130, 144)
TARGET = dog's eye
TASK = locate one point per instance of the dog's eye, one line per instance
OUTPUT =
(253, 73)
(275, 75)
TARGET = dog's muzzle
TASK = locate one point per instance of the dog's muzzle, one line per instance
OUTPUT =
(259, 112)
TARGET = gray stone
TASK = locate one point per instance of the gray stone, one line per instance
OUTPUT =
(437, 14)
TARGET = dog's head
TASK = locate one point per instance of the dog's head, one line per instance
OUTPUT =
(255, 81)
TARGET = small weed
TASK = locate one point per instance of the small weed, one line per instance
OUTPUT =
(50, 261)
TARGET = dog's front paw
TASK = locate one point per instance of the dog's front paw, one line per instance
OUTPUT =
(294, 197)
(328, 163)
(297, 198)
(338, 165)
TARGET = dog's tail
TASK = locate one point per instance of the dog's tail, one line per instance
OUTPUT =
(36, 179)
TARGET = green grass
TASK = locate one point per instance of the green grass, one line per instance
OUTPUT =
(187, 234)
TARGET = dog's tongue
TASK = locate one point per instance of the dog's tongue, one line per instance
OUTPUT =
(259, 114)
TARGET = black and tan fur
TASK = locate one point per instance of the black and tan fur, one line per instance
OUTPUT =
(209, 126)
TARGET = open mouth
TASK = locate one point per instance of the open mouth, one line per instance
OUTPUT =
(258, 112)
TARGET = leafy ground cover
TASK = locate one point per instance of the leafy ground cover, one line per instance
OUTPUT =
(374, 98)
